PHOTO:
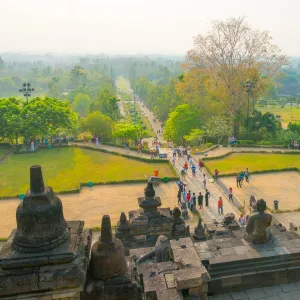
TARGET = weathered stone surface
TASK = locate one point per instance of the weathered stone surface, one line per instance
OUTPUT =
(153, 284)
(107, 257)
(40, 221)
(171, 294)
(188, 278)
(170, 281)
(199, 290)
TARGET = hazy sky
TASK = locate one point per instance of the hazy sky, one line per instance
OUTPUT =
(136, 26)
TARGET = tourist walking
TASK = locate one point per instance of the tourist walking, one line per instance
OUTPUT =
(183, 173)
(173, 160)
(230, 195)
(152, 151)
(186, 166)
(216, 175)
(126, 147)
(97, 142)
(207, 196)
(179, 197)
(201, 164)
(200, 200)
(204, 181)
(193, 202)
(247, 175)
(139, 148)
(188, 154)
(193, 170)
(220, 206)
(188, 198)
(32, 145)
(174, 152)
(84, 140)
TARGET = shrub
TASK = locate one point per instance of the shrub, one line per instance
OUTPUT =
(264, 143)
(245, 142)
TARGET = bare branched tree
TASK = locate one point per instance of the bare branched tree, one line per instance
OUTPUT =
(231, 54)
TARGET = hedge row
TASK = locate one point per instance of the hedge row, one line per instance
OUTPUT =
(256, 146)
(5, 145)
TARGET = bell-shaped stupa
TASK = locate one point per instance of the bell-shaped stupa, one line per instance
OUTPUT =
(41, 225)
(108, 260)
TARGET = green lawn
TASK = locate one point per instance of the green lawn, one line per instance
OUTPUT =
(288, 114)
(235, 163)
(65, 168)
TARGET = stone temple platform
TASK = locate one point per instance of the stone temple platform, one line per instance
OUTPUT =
(234, 264)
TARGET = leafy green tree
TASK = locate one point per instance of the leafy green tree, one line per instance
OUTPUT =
(10, 119)
(43, 116)
(126, 132)
(180, 123)
(195, 136)
(98, 124)
(81, 104)
(217, 128)
(294, 127)
(54, 87)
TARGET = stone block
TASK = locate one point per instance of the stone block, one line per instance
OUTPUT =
(231, 280)
(140, 252)
(60, 276)
(189, 257)
(166, 266)
(238, 295)
(170, 281)
(272, 290)
(188, 278)
(169, 294)
(153, 284)
(17, 284)
(227, 251)
(197, 291)
(293, 227)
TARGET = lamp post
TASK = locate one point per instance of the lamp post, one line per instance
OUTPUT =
(134, 108)
(249, 85)
(26, 90)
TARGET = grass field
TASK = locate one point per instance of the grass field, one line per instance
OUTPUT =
(65, 168)
(235, 163)
(288, 114)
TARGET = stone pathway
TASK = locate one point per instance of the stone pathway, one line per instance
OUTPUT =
(289, 291)
(196, 185)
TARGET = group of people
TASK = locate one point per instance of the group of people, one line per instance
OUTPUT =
(232, 140)
(294, 144)
(240, 177)
(185, 195)
(40, 142)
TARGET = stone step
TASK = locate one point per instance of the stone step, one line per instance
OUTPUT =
(244, 267)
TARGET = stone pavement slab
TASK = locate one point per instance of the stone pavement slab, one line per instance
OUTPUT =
(256, 293)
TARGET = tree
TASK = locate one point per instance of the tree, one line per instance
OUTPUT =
(98, 124)
(10, 119)
(127, 132)
(232, 54)
(195, 136)
(180, 122)
(45, 116)
(217, 128)
(81, 104)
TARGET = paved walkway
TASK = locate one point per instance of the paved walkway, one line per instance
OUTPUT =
(195, 185)
(155, 125)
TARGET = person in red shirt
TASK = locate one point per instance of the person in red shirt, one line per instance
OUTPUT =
(220, 206)
(186, 165)
(156, 173)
